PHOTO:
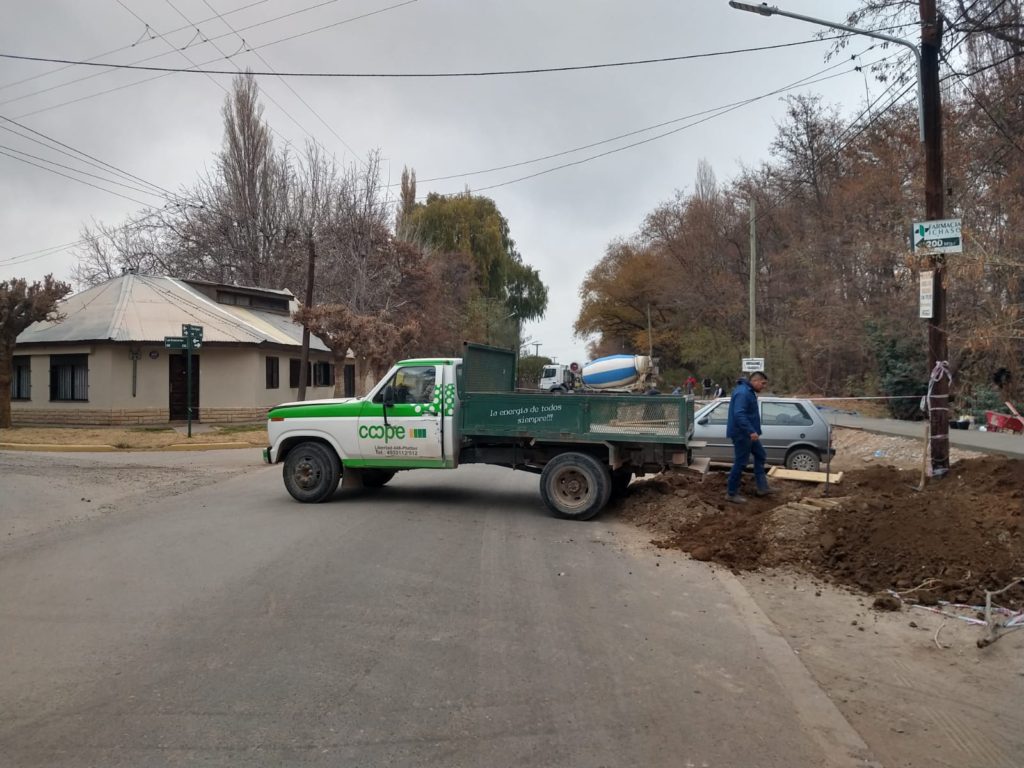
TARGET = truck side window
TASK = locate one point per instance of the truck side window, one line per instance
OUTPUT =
(413, 385)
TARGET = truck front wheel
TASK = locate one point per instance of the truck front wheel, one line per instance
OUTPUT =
(575, 486)
(311, 472)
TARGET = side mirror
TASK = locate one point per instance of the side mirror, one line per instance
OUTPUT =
(703, 422)
(388, 396)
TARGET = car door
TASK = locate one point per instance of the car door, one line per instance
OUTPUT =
(710, 428)
(411, 430)
(784, 424)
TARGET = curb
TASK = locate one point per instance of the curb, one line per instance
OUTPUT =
(839, 741)
(206, 446)
(43, 447)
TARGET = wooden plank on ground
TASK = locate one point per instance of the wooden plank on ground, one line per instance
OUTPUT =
(805, 477)
(700, 465)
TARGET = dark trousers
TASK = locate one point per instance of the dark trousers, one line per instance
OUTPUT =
(742, 447)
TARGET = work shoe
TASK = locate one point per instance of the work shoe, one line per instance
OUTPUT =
(735, 498)
(765, 491)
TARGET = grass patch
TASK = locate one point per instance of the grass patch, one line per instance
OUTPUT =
(233, 429)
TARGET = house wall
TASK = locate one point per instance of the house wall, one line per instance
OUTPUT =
(232, 384)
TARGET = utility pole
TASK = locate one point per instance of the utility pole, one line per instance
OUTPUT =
(753, 274)
(929, 118)
(536, 348)
(304, 356)
(650, 338)
(934, 201)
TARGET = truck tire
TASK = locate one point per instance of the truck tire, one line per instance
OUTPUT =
(575, 486)
(376, 478)
(621, 479)
(803, 459)
(311, 472)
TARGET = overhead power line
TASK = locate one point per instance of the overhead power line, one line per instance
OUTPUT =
(89, 159)
(147, 36)
(321, 28)
(483, 73)
(74, 178)
(287, 85)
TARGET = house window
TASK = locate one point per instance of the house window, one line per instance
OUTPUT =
(323, 375)
(21, 378)
(273, 372)
(350, 381)
(294, 366)
(69, 377)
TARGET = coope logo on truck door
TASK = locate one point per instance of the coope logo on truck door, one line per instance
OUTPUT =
(378, 431)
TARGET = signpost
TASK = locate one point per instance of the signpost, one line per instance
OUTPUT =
(942, 236)
(191, 339)
(753, 364)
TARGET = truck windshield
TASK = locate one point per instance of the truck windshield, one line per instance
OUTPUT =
(413, 384)
(549, 373)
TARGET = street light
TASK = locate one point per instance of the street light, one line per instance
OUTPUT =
(770, 10)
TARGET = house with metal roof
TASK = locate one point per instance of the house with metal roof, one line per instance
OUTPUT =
(106, 361)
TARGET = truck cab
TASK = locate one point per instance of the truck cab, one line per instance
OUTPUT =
(556, 377)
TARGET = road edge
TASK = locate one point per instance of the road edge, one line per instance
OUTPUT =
(842, 746)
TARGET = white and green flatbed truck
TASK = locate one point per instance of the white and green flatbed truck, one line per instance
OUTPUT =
(440, 413)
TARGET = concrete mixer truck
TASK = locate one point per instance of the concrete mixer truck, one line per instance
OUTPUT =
(614, 373)
(442, 412)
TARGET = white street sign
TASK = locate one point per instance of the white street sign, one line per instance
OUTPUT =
(753, 364)
(942, 236)
(927, 298)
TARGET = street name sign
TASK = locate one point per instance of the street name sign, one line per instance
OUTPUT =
(753, 364)
(192, 331)
(941, 236)
(175, 342)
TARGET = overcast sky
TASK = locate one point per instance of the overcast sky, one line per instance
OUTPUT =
(166, 129)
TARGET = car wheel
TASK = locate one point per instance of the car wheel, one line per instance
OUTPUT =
(311, 472)
(575, 486)
(376, 478)
(803, 459)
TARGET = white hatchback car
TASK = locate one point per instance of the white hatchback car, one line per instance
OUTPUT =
(794, 434)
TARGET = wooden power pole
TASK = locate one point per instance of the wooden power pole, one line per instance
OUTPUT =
(934, 200)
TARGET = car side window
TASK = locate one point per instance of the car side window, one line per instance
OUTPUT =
(785, 415)
(719, 414)
(412, 385)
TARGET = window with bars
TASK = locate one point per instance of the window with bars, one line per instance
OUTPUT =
(273, 372)
(69, 377)
(21, 378)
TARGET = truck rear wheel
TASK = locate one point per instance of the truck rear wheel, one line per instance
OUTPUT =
(311, 472)
(575, 486)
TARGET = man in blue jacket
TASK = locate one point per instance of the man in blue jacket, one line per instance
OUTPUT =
(744, 429)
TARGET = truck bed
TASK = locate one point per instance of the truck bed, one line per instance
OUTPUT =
(578, 417)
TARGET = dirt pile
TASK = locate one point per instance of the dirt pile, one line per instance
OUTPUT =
(874, 532)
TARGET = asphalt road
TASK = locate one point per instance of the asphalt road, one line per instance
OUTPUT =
(204, 618)
(967, 439)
